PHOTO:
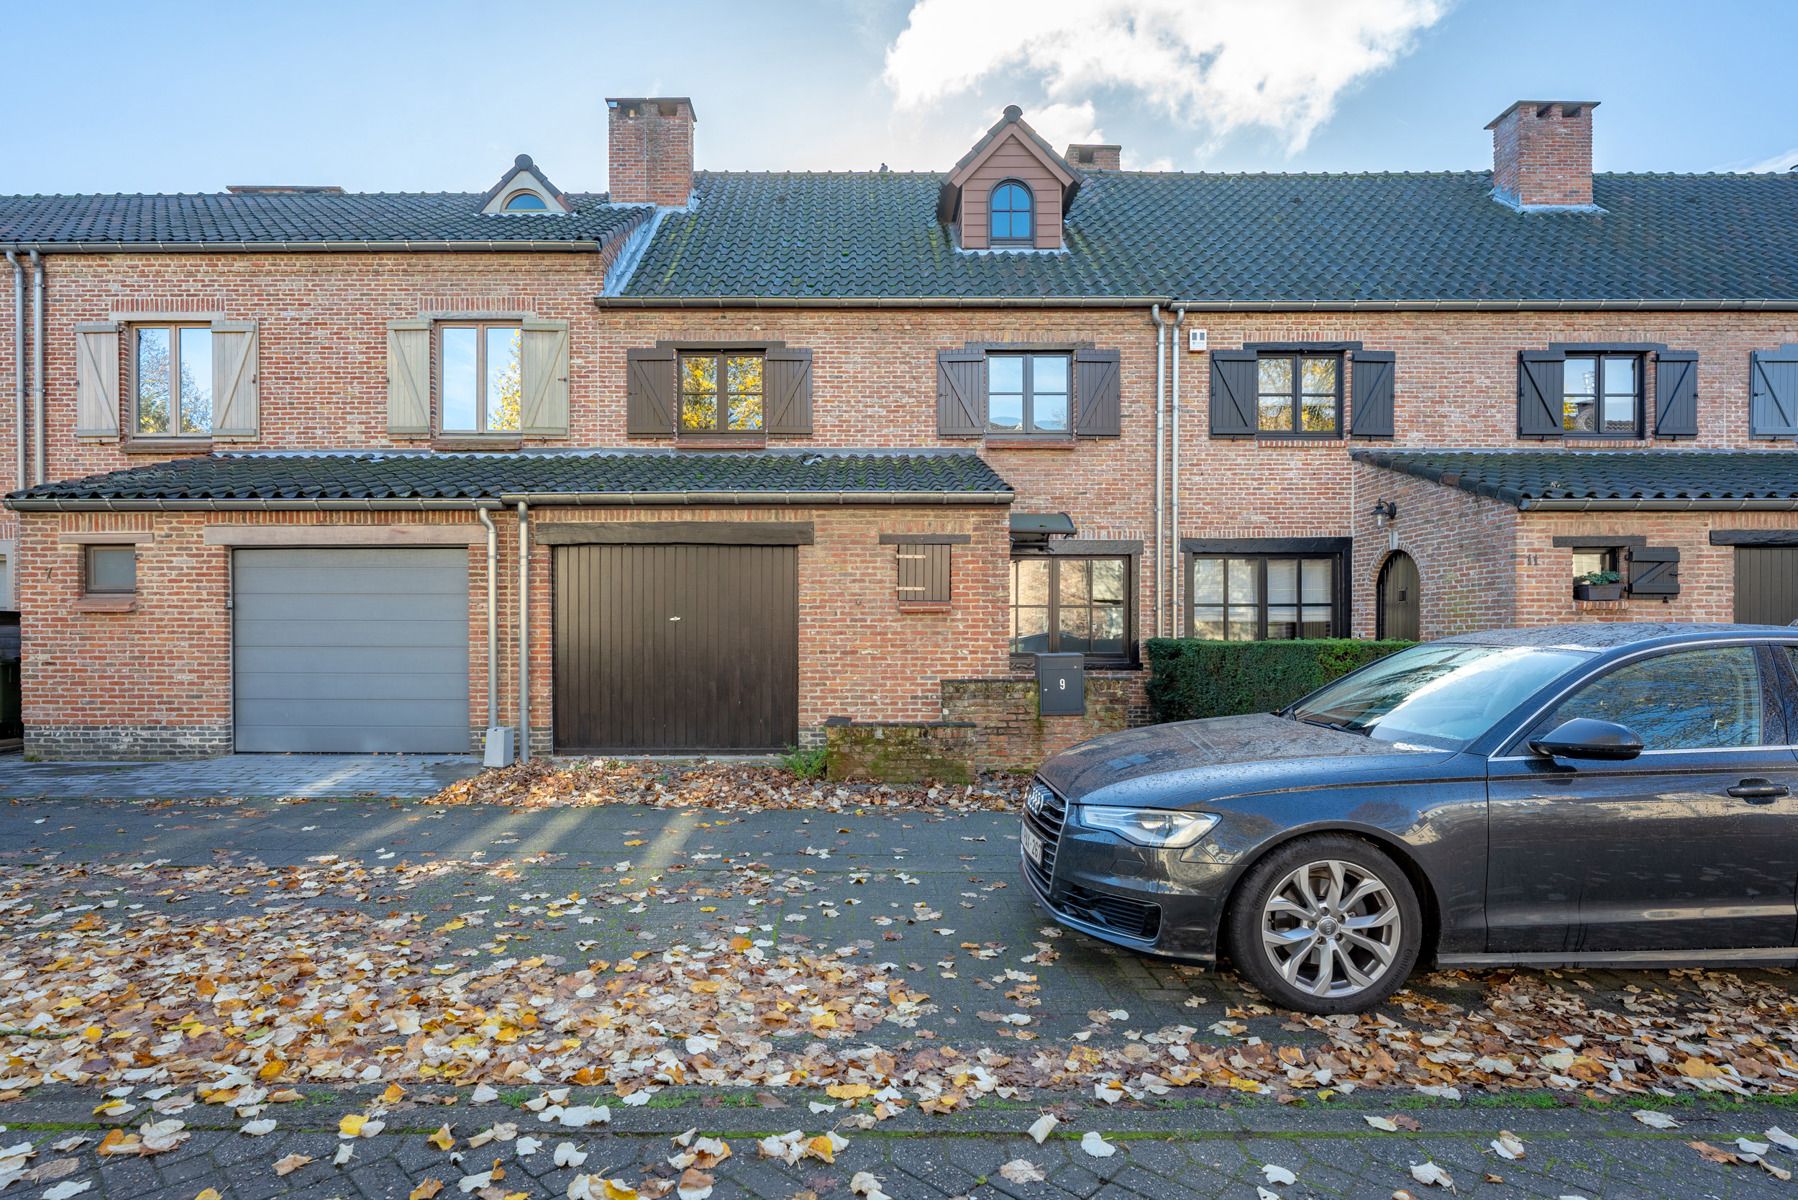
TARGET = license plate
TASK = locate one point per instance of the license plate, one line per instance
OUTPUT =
(1033, 847)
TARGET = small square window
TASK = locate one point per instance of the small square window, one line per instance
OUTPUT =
(111, 570)
(1028, 394)
(1299, 395)
(923, 573)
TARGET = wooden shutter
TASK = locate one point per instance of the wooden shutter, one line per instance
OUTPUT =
(234, 367)
(97, 380)
(544, 378)
(1676, 393)
(1773, 393)
(649, 392)
(787, 383)
(960, 393)
(923, 573)
(1654, 571)
(1539, 408)
(1373, 388)
(408, 378)
(1233, 404)
(1097, 400)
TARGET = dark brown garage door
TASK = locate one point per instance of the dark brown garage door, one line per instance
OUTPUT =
(1767, 584)
(673, 648)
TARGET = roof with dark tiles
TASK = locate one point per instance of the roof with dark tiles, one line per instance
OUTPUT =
(1671, 479)
(1213, 237)
(470, 476)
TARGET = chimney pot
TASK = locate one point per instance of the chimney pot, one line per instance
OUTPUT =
(1095, 156)
(1542, 154)
(649, 149)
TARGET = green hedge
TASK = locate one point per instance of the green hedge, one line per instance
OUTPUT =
(1191, 678)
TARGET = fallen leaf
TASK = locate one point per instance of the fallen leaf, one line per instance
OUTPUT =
(1507, 1145)
(694, 1184)
(1750, 1147)
(351, 1126)
(291, 1163)
(71, 1187)
(569, 1155)
(425, 1190)
(1097, 1146)
(1384, 1124)
(209, 1194)
(443, 1139)
(345, 1152)
(1778, 1172)
(1655, 1120)
(1781, 1138)
(1280, 1175)
(1430, 1173)
(1710, 1153)
(1022, 1170)
(1043, 1126)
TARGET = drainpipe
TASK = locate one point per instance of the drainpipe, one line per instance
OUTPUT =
(524, 632)
(1160, 448)
(18, 365)
(37, 365)
(492, 617)
(1173, 533)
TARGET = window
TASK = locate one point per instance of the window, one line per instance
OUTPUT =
(1601, 395)
(737, 376)
(480, 379)
(525, 202)
(171, 366)
(923, 573)
(1299, 394)
(1010, 219)
(1684, 700)
(1245, 598)
(111, 570)
(1027, 393)
(1062, 603)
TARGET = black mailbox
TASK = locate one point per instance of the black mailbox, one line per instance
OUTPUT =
(1061, 685)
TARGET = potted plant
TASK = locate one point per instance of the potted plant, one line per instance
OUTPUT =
(1598, 585)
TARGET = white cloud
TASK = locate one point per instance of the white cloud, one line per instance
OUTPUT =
(1220, 65)
(1785, 160)
(1064, 124)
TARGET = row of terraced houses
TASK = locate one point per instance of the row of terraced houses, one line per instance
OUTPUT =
(722, 461)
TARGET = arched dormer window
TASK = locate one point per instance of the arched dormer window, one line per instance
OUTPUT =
(525, 201)
(1011, 216)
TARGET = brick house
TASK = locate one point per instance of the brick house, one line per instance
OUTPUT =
(718, 461)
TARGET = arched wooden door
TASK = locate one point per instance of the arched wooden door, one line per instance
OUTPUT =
(1398, 608)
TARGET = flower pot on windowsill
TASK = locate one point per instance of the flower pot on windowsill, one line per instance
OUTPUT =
(1598, 591)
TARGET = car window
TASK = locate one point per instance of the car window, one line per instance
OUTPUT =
(1700, 699)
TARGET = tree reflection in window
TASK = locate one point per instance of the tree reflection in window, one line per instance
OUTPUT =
(1683, 700)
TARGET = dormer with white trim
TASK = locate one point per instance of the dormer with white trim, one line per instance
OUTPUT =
(1010, 192)
(525, 191)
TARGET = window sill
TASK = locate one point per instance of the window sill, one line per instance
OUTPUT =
(1029, 443)
(720, 441)
(919, 607)
(476, 441)
(104, 604)
(1301, 438)
(166, 446)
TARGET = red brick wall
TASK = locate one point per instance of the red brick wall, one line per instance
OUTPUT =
(649, 155)
(1544, 159)
(1464, 547)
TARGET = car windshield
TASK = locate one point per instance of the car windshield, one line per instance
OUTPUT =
(1443, 694)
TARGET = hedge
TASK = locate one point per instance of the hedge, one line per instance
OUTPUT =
(1189, 677)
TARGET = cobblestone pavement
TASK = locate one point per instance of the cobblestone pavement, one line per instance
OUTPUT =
(865, 873)
(240, 775)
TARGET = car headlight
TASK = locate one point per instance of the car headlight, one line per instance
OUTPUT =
(1159, 827)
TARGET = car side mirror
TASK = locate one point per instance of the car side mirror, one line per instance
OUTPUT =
(1584, 737)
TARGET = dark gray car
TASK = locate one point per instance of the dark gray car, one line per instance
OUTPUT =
(1572, 795)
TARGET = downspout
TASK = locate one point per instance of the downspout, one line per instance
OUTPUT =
(1173, 533)
(492, 616)
(37, 365)
(1160, 451)
(524, 632)
(18, 366)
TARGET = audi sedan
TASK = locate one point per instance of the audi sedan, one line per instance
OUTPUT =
(1575, 795)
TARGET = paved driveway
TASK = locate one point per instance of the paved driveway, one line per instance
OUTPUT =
(246, 776)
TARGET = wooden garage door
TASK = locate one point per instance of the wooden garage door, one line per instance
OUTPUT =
(352, 651)
(676, 647)
(1767, 584)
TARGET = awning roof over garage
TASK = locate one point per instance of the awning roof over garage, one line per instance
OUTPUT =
(1598, 480)
(608, 477)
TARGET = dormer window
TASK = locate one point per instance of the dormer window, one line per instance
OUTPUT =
(525, 191)
(1012, 216)
(525, 202)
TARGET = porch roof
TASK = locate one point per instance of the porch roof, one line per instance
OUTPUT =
(1598, 480)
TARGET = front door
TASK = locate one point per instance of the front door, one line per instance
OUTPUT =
(1691, 845)
(1767, 585)
(1398, 598)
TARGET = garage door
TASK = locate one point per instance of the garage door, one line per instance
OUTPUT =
(351, 650)
(676, 648)
(1767, 584)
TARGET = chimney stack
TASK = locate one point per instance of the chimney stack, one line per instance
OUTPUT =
(649, 149)
(1542, 154)
(1087, 156)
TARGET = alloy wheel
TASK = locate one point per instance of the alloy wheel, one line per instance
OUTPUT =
(1331, 928)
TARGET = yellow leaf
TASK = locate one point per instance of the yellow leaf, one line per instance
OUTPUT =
(271, 1069)
(209, 1194)
(740, 943)
(824, 1019)
(92, 1033)
(634, 842)
(1697, 1068)
(452, 926)
(618, 1191)
(394, 1094)
(350, 1126)
(708, 908)
(848, 1091)
(425, 1190)
(443, 1139)
(821, 1146)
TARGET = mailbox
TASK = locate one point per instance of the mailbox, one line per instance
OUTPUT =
(1061, 685)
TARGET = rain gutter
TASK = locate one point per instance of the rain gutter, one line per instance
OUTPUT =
(582, 499)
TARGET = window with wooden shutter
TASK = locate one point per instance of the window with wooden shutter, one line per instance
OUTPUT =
(1372, 400)
(923, 572)
(1539, 405)
(409, 378)
(1098, 398)
(544, 410)
(649, 392)
(961, 393)
(789, 391)
(97, 380)
(1773, 393)
(1676, 393)
(235, 399)
(1654, 571)
(1233, 396)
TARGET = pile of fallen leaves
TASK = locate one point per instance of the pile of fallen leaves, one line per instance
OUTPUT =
(721, 787)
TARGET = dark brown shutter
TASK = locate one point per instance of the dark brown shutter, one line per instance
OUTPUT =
(1654, 571)
(1097, 403)
(649, 395)
(1773, 393)
(1539, 407)
(789, 387)
(923, 573)
(1676, 393)
(1372, 400)
(1233, 393)
(960, 393)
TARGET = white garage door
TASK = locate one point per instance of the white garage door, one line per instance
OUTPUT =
(351, 651)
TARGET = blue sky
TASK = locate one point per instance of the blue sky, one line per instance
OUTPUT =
(396, 95)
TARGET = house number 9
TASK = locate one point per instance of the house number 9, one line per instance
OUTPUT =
(1062, 684)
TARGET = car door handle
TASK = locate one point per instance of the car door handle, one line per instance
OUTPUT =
(1759, 791)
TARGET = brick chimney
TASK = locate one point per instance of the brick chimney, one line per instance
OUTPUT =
(1085, 156)
(1542, 153)
(649, 149)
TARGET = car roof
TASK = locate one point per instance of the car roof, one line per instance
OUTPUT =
(1608, 635)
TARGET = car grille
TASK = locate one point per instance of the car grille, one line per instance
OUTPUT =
(1131, 917)
(1045, 813)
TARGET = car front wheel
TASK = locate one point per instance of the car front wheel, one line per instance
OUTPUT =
(1326, 924)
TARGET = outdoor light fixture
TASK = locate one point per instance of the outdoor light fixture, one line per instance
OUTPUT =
(1384, 512)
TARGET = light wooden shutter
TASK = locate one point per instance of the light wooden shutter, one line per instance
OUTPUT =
(97, 380)
(961, 393)
(1097, 401)
(1773, 393)
(1676, 393)
(649, 392)
(234, 366)
(545, 379)
(409, 378)
(1233, 402)
(1373, 393)
(1539, 394)
(788, 384)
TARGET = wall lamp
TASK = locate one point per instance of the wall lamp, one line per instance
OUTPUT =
(1385, 512)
